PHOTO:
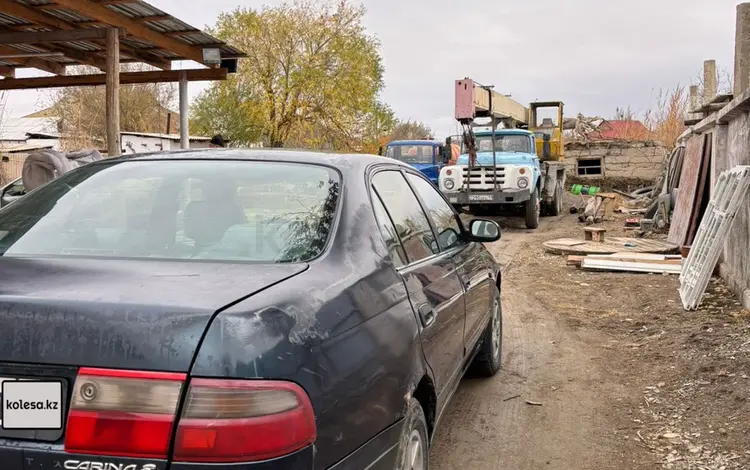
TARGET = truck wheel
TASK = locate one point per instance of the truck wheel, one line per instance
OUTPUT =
(532, 208)
(557, 202)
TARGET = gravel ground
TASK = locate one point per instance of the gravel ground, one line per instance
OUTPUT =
(602, 370)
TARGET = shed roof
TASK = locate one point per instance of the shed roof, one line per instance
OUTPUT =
(20, 128)
(149, 35)
(175, 137)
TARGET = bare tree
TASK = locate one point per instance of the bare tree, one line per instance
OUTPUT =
(81, 111)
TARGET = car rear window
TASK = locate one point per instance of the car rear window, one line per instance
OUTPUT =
(217, 210)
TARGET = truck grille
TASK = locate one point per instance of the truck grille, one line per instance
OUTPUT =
(481, 178)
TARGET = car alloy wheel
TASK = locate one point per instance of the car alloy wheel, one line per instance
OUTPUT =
(414, 454)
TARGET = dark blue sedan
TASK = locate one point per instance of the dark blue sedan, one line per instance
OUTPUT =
(244, 309)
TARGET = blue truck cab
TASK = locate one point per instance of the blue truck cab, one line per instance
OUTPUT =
(427, 156)
(514, 176)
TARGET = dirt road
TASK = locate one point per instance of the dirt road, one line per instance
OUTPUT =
(571, 393)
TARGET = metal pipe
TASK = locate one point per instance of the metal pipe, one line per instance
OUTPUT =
(184, 123)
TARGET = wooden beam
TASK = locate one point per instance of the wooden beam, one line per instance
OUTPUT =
(114, 2)
(104, 14)
(40, 37)
(126, 78)
(41, 64)
(113, 93)
(7, 72)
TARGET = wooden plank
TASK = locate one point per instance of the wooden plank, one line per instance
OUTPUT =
(609, 246)
(686, 197)
(113, 93)
(642, 267)
(575, 260)
(704, 180)
(104, 14)
(7, 72)
(41, 64)
(127, 78)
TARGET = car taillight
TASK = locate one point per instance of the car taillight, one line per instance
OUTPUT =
(123, 413)
(134, 414)
(243, 420)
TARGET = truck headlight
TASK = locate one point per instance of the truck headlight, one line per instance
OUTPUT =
(449, 184)
(523, 183)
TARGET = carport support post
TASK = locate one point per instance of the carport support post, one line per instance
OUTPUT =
(184, 134)
(113, 92)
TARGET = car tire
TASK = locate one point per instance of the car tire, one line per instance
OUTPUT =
(489, 358)
(532, 209)
(413, 446)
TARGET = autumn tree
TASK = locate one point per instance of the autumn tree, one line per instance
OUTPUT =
(411, 130)
(311, 78)
(81, 110)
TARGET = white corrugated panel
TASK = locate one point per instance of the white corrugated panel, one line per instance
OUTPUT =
(729, 195)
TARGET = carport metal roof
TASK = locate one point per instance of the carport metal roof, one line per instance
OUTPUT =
(52, 35)
(75, 35)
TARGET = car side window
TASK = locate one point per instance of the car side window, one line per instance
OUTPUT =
(407, 215)
(389, 232)
(442, 215)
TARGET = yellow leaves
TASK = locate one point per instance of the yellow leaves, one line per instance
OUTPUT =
(311, 76)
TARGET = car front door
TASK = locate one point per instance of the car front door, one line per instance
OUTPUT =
(472, 260)
(430, 277)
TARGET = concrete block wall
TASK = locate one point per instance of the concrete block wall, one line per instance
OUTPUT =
(621, 161)
(735, 265)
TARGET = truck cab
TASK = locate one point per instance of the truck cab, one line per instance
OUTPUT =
(515, 164)
(427, 156)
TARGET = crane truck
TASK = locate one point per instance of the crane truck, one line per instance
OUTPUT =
(519, 165)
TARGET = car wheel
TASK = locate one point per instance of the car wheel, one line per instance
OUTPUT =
(413, 450)
(488, 359)
(532, 208)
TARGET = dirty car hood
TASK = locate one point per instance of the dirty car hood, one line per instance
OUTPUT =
(131, 314)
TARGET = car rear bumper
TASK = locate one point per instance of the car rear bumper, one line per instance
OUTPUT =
(16, 455)
(503, 196)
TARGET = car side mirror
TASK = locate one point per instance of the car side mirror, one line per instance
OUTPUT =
(484, 230)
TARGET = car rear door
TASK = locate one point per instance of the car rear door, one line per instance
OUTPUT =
(430, 277)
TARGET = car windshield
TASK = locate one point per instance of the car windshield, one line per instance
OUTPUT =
(503, 143)
(178, 209)
(411, 153)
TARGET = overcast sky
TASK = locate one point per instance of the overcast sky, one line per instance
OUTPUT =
(594, 55)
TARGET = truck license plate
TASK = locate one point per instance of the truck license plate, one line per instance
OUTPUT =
(480, 197)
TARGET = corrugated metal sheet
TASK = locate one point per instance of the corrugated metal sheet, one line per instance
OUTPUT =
(691, 168)
(137, 9)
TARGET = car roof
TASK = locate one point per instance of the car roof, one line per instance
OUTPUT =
(342, 161)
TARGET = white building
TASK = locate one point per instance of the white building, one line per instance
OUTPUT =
(143, 142)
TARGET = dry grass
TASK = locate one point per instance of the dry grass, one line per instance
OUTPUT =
(666, 120)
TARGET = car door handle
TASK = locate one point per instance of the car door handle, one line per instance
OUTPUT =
(427, 315)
